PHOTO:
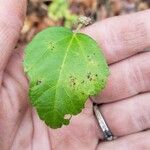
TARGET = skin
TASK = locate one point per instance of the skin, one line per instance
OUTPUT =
(125, 100)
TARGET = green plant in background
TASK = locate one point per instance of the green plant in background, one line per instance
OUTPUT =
(64, 68)
(59, 10)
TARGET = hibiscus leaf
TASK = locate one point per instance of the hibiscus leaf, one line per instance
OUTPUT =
(64, 69)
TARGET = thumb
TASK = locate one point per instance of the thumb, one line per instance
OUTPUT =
(12, 14)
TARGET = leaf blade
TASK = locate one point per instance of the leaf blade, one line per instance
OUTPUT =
(63, 73)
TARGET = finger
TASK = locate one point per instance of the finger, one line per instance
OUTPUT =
(11, 20)
(88, 125)
(121, 37)
(128, 78)
(128, 116)
(15, 70)
(13, 96)
(139, 141)
(82, 132)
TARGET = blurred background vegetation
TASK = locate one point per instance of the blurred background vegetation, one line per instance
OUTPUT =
(44, 13)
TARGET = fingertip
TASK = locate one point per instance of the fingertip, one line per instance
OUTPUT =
(13, 12)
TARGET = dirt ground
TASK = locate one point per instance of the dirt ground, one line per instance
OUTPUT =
(44, 13)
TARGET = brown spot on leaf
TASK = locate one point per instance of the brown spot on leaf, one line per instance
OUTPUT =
(83, 93)
(72, 80)
(38, 82)
(82, 82)
(51, 46)
(89, 76)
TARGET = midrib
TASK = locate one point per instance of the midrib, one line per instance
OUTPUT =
(62, 66)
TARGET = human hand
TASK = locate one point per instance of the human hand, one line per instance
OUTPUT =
(125, 100)
(21, 129)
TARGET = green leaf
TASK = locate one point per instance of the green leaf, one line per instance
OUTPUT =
(64, 69)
